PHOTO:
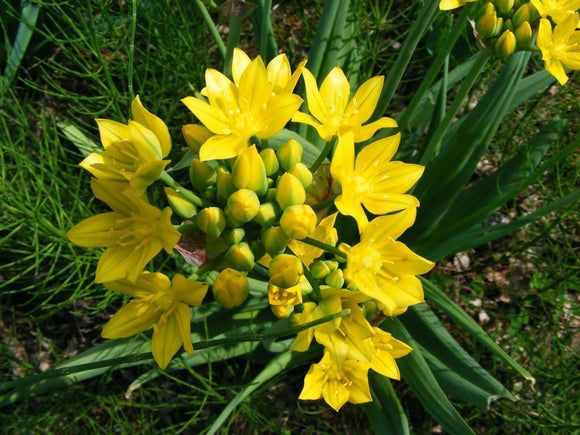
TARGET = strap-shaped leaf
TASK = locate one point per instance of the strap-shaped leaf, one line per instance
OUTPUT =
(385, 412)
(418, 375)
(457, 372)
(443, 303)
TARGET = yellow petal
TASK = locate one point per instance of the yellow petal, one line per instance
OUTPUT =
(365, 100)
(382, 203)
(132, 319)
(112, 194)
(380, 151)
(166, 233)
(209, 116)
(145, 285)
(304, 118)
(182, 316)
(221, 92)
(145, 141)
(564, 29)
(112, 131)
(254, 91)
(367, 131)
(279, 73)
(147, 174)
(335, 394)
(188, 291)
(316, 105)
(166, 340)
(95, 232)
(544, 38)
(222, 147)
(240, 61)
(125, 262)
(153, 123)
(352, 207)
(342, 164)
(391, 226)
(313, 383)
(556, 68)
(280, 110)
(335, 91)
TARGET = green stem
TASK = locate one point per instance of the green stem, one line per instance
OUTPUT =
(132, 47)
(188, 228)
(265, 34)
(433, 146)
(203, 269)
(233, 41)
(327, 149)
(212, 28)
(326, 203)
(438, 62)
(313, 283)
(186, 193)
(324, 246)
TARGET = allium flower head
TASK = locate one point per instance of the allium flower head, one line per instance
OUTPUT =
(372, 180)
(160, 303)
(258, 103)
(334, 112)
(384, 269)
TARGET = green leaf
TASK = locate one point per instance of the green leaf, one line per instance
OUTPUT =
(447, 306)
(418, 375)
(385, 412)
(79, 139)
(456, 371)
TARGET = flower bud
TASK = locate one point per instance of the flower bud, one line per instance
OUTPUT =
(298, 221)
(370, 310)
(488, 25)
(523, 35)
(335, 279)
(508, 25)
(270, 195)
(289, 154)
(201, 175)
(321, 268)
(274, 241)
(285, 271)
(230, 288)
(240, 257)
(243, 205)
(231, 220)
(195, 136)
(179, 204)
(524, 13)
(270, 160)
(506, 44)
(282, 311)
(289, 191)
(225, 187)
(486, 9)
(249, 171)
(300, 171)
(212, 221)
(504, 6)
(234, 236)
(267, 214)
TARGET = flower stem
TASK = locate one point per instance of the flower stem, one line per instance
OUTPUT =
(327, 149)
(233, 40)
(324, 246)
(186, 193)
(313, 283)
(326, 203)
(212, 28)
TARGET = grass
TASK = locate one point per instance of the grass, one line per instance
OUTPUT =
(89, 63)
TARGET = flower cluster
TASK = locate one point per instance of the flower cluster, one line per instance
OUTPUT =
(506, 26)
(264, 208)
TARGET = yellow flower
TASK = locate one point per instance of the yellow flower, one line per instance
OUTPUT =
(446, 5)
(337, 382)
(324, 232)
(561, 48)
(132, 153)
(373, 180)
(133, 233)
(258, 103)
(558, 10)
(386, 349)
(384, 269)
(159, 303)
(333, 112)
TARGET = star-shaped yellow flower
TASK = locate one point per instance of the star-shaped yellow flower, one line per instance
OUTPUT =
(160, 303)
(334, 112)
(373, 180)
(133, 233)
(446, 5)
(558, 10)
(384, 269)
(560, 48)
(258, 103)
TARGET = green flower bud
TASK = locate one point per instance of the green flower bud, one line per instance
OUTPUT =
(179, 204)
(195, 136)
(240, 257)
(289, 154)
(243, 205)
(335, 279)
(508, 25)
(488, 25)
(504, 6)
(210, 194)
(298, 221)
(370, 310)
(270, 160)
(290, 191)
(230, 288)
(212, 221)
(274, 241)
(523, 35)
(225, 187)
(285, 271)
(524, 13)
(267, 214)
(234, 236)
(506, 44)
(300, 171)
(270, 195)
(249, 171)
(202, 175)
(319, 269)
(486, 9)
